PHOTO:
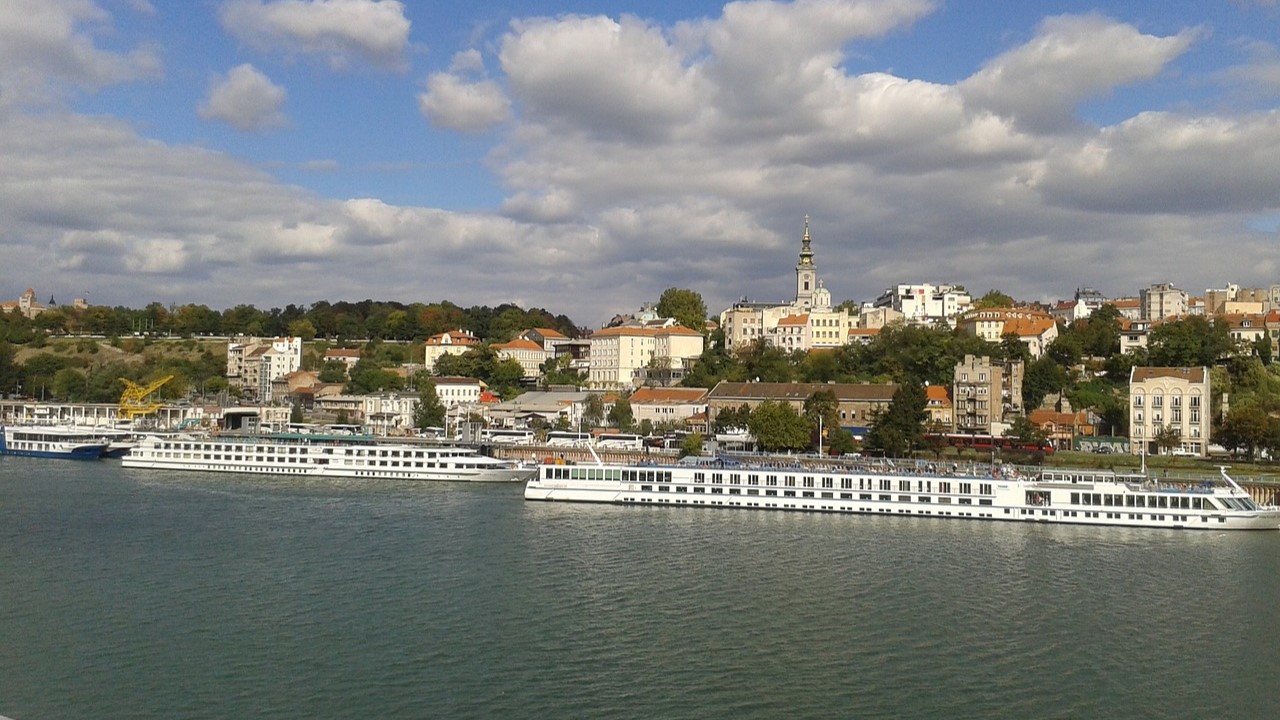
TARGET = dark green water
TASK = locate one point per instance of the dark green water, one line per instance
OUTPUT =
(134, 594)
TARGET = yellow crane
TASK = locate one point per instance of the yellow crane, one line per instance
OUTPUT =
(134, 402)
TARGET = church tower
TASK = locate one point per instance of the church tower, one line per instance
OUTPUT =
(806, 273)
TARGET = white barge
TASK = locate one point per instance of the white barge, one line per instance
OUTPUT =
(1048, 495)
(339, 456)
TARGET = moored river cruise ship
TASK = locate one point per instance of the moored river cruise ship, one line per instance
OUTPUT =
(53, 441)
(1048, 495)
(338, 456)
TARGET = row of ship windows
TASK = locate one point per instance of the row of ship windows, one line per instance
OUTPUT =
(825, 482)
(272, 450)
(312, 461)
(809, 494)
(1155, 501)
(1115, 515)
(801, 506)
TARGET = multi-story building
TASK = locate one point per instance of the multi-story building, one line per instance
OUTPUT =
(25, 305)
(984, 394)
(1162, 300)
(1092, 299)
(528, 353)
(668, 405)
(926, 304)
(939, 407)
(253, 363)
(1169, 399)
(1033, 328)
(454, 342)
(620, 356)
(458, 391)
(1234, 300)
(1134, 334)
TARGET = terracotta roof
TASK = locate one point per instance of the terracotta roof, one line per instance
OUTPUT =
(519, 344)
(794, 320)
(1191, 374)
(550, 333)
(870, 332)
(342, 352)
(940, 394)
(456, 337)
(647, 396)
(1043, 416)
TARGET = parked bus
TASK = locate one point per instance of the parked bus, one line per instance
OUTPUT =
(503, 436)
(565, 438)
(619, 441)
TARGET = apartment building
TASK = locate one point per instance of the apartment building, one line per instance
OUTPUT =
(621, 356)
(1169, 398)
(984, 394)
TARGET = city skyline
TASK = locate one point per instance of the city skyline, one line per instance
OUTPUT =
(583, 156)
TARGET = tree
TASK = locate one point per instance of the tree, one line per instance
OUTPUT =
(777, 426)
(822, 410)
(295, 414)
(333, 371)
(302, 329)
(732, 418)
(1043, 376)
(993, 299)
(1244, 428)
(691, 445)
(899, 429)
(1192, 341)
(620, 415)
(1167, 438)
(1026, 433)
(428, 411)
(686, 306)
(592, 411)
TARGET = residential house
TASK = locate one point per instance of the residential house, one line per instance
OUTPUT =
(1062, 428)
(347, 356)
(253, 363)
(939, 407)
(454, 342)
(668, 405)
(1033, 328)
(1169, 398)
(528, 353)
(926, 304)
(1134, 334)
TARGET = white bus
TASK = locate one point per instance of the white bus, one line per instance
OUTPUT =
(501, 436)
(565, 438)
(619, 441)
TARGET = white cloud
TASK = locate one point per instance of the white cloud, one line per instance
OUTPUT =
(469, 107)
(1071, 59)
(245, 99)
(48, 47)
(376, 31)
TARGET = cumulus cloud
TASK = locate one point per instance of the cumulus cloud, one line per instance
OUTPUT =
(471, 107)
(1071, 59)
(375, 31)
(635, 156)
(48, 47)
(245, 99)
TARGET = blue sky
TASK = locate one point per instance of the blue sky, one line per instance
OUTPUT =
(584, 156)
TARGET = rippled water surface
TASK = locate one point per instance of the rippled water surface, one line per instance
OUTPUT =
(152, 595)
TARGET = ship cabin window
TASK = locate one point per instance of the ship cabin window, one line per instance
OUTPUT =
(885, 484)
(828, 482)
(753, 479)
(717, 477)
(771, 480)
(846, 483)
(925, 499)
(904, 485)
(864, 496)
(886, 498)
(966, 488)
(735, 478)
(807, 494)
(984, 502)
(904, 498)
(699, 477)
(944, 486)
(984, 489)
(808, 482)
(788, 493)
(965, 501)
(790, 481)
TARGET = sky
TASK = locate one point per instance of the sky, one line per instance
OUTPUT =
(583, 156)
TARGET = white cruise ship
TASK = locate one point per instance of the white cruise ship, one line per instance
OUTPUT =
(339, 456)
(1049, 495)
(53, 441)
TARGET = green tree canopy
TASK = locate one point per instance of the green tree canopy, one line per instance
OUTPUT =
(428, 411)
(778, 427)
(899, 429)
(686, 306)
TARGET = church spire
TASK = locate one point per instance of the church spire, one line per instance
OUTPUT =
(806, 253)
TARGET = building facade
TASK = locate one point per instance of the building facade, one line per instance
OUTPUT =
(1173, 401)
(984, 394)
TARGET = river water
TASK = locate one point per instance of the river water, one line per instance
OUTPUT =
(144, 594)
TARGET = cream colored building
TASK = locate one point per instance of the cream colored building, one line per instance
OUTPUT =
(1169, 397)
(1162, 300)
(253, 363)
(620, 354)
(528, 353)
(1033, 328)
(668, 405)
(454, 342)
